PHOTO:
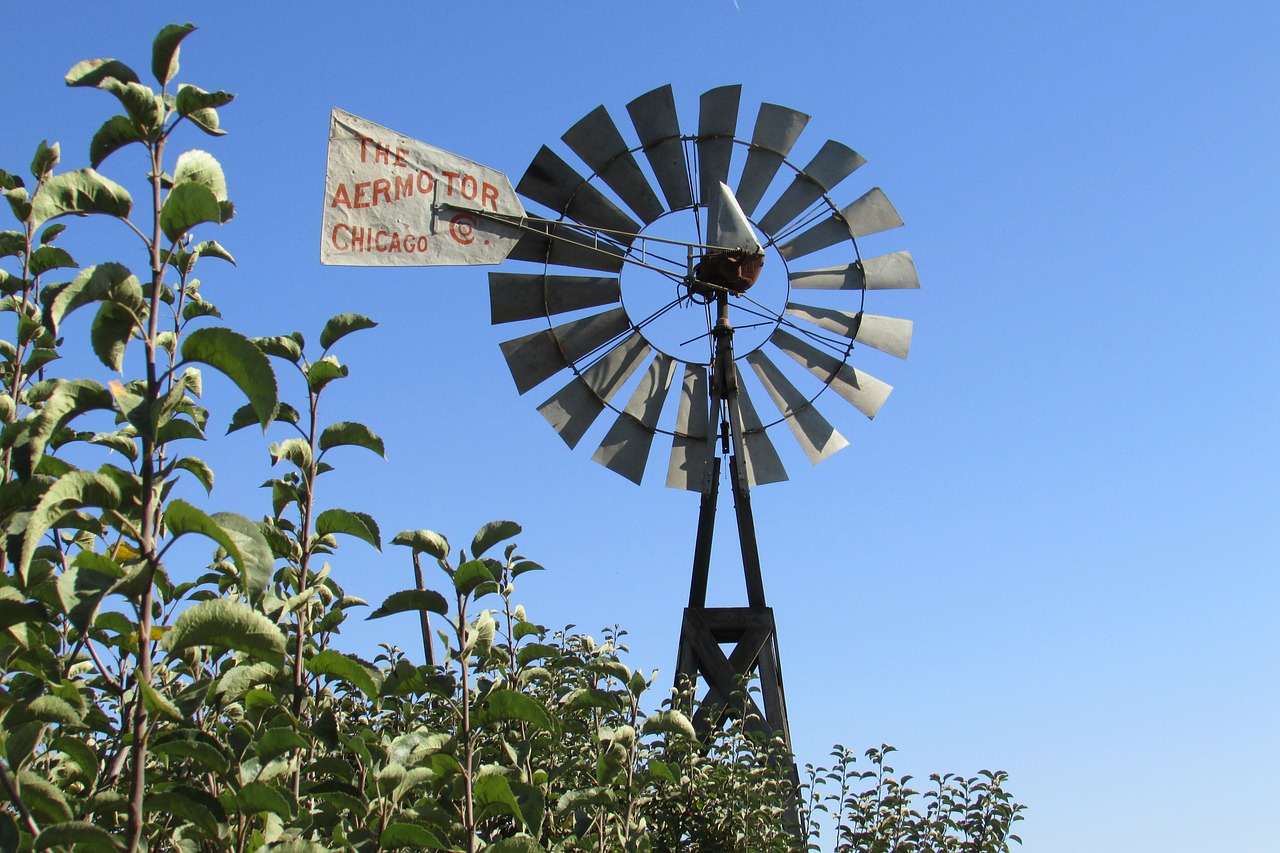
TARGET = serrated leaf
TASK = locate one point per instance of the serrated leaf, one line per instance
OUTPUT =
(164, 51)
(505, 704)
(351, 433)
(669, 722)
(51, 233)
(71, 491)
(48, 258)
(182, 518)
(342, 325)
(424, 542)
(197, 468)
(280, 346)
(158, 705)
(113, 327)
(188, 205)
(46, 157)
(233, 624)
(357, 524)
(80, 192)
(259, 563)
(258, 797)
(200, 167)
(493, 796)
(361, 675)
(91, 285)
(491, 534)
(276, 742)
(81, 588)
(471, 575)
(246, 416)
(515, 844)
(324, 371)
(75, 833)
(114, 134)
(243, 363)
(400, 834)
(92, 72)
(411, 600)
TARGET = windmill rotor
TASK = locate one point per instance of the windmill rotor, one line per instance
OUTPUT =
(639, 242)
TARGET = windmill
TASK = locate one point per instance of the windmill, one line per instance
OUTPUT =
(651, 278)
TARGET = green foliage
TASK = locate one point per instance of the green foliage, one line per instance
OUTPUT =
(150, 704)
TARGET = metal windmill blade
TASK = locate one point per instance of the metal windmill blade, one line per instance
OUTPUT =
(887, 272)
(526, 296)
(870, 214)
(816, 436)
(573, 408)
(693, 429)
(653, 115)
(865, 392)
(536, 357)
(717, 124)
(760, 456)
(551, 181)
(597, 140)
(831, 165)
(625, 449)
(776, 131)
(887, 334)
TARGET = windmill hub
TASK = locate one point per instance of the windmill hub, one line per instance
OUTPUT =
(734, 270)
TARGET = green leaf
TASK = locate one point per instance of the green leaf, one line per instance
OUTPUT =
(51, 233)
(71, 491)
(246, 416)
(258, 797)
(278, 741)
(188, 205)
(182, 518)
(670, 722)
(400, 834)
(48, 258)
(240, 678)
(115, 133)
(259, 563)
(17, 612)
(76, 832)
(193, 99)
(46, 801)
(411, 600)
(280, 346)
(201, 168)
(80, 192)
(505, 704)
(491, 534)
(93, 72)
(93, 284)
(243, 363)
(351, 433)
(195, 807)
(113, 327)
(164, 51)
(493, 796)
(54, 709)
(324, 371)
(233, 624)
(197, 467)
(46, 157)
(158, 705)
(81, 587)
(203, 754)
(470, 575)
(357, 524)
(424, 541)
(342, 325)
(515, 844)
(361, 675)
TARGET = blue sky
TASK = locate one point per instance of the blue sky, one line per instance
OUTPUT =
(1052, 552)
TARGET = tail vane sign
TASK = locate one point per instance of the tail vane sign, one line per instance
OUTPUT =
(393, 201)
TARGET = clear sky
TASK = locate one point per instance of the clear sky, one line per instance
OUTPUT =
(1053, 551)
